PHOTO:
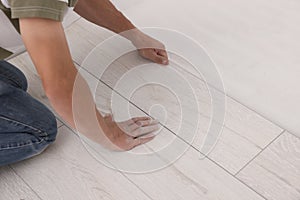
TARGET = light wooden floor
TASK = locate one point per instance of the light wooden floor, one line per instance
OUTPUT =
(254, 158)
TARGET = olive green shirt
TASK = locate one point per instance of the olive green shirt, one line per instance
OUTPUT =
(48, 9)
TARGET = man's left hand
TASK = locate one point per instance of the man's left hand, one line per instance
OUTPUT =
(151, 49)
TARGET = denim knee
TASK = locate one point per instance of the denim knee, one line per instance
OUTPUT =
(50, 128)
(12, 75)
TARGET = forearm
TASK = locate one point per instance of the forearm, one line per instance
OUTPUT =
(74, 102)
(47, 46)
(104, 14)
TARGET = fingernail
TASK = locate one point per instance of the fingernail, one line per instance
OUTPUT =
(165, 62)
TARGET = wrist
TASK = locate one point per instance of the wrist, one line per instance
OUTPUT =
(136, 37)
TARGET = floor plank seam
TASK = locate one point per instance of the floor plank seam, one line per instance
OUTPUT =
(180, 137)
(122, 173)
(227, 95)
(25, 182)
(234, 131)
(234, 177)
(136, 106)
(16, 54)
(131, 181)
(295, 135)
(261, 115)
(205, 156)
(250, 161)
(225, 170)
(69, 26)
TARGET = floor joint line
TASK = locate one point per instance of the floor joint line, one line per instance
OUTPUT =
(260, 152)
(25, 182)
(181, 138)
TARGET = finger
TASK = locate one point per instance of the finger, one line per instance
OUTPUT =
(135, 119)
(163, 53)
(160, 59)
(138, 141)
(155, 57)
(147, 122)
(142, 123)
(131, 125)
(145, 130)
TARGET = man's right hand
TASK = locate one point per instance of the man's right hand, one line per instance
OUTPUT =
(126, 135)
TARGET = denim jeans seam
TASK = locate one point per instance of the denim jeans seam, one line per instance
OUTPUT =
(14, 81)
(43, 133)
(20, 146)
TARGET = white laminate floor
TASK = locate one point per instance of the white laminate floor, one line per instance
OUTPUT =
(253, 159)
(255, 45)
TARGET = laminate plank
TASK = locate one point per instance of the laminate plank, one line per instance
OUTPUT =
(82, 37)
(275, 172)
(248, 129)
(238, 118)
(70, 18)
(249, 42)
(10, 39)
(245, 43)
(239, 142)
(103, 98)
(192, 178)
(189, 177)
(67, 171)
(78, 173)
(157, 184)
(240, 145)
(59, 123)
(13, 187)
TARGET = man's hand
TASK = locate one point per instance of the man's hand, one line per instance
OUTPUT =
(129, 134)
(150, 48)
(105, 14)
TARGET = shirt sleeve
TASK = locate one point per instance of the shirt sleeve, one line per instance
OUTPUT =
(49, 9)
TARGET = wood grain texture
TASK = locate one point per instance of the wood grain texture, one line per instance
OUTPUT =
(67, 171)
(189, 177)
(275, 173)
(70, 18)
(249, 42)
(82, 42)
(240, 142)
(12, 187)
(192, 178)
(250, 131)
(103, 98)
(238, 118)
(244, 134)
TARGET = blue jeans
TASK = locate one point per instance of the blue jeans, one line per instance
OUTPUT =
(27, 127)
